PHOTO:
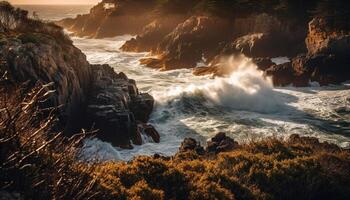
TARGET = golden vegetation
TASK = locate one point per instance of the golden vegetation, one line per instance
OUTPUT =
(39, 164)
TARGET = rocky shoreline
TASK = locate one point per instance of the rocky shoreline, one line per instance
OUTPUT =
(181, 39)
(90, 97)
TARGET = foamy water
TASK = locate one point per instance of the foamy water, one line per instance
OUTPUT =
(245, 105)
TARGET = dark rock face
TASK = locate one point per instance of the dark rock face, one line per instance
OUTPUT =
(152, 34)
(217, 70)
(150, 131)
(87, 96)
(219, 143)
(326, 38)
(190, 144)
(110, 18)
(40, 58)
(190, 41)
(112, 101)
(285, 74)
(264, 45)
(327, 61)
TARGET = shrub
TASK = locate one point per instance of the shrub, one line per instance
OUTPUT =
(29, 38)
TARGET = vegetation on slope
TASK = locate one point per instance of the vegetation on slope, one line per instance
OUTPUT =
(39, 164)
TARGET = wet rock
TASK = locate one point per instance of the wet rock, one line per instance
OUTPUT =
(115, 105)
(190, 144)
(284, 74)
(149, 130)
(263, 63)
(322, 68)
(221, 143)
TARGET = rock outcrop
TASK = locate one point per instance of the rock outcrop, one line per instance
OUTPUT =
(325, 38)
(86, 96)
(152, 34)
(190, 41)
(219, 143)
(111, 18)
(327, 60)
(112, 100)
(260, 37)
(40, 58)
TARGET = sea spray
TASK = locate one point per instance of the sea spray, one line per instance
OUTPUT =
(245, 89)
(184, 107)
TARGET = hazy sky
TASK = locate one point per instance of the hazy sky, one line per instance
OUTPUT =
(54, 1)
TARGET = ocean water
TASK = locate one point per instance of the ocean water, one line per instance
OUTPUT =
(56, 12)
(245, 105)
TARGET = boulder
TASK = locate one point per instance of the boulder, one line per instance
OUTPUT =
(149, 131)
(190, 144)
(221, 143)
(284, 74)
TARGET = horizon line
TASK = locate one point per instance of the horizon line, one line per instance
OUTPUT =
(54, 4)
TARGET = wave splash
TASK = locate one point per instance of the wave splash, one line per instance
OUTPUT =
(245, 89)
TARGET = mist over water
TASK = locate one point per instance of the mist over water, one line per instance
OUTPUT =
(245, 105)
(245, 89)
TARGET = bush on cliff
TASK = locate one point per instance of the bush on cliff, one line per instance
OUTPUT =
(39, 164)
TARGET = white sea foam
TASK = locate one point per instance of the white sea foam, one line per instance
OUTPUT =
(245, 89)
(244, 105)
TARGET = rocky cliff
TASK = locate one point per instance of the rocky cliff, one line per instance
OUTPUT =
(111, 18)
(181, 35)
(86, 96)
(327, 60)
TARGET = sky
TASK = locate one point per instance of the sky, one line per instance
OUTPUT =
(55, 2)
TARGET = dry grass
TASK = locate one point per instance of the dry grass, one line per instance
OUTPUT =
(36, 161)
(39, 163)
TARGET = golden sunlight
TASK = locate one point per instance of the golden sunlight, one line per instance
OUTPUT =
(54, 2)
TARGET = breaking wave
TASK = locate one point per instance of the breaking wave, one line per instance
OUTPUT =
(245, 89)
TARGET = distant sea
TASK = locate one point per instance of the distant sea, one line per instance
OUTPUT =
(56, 12)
